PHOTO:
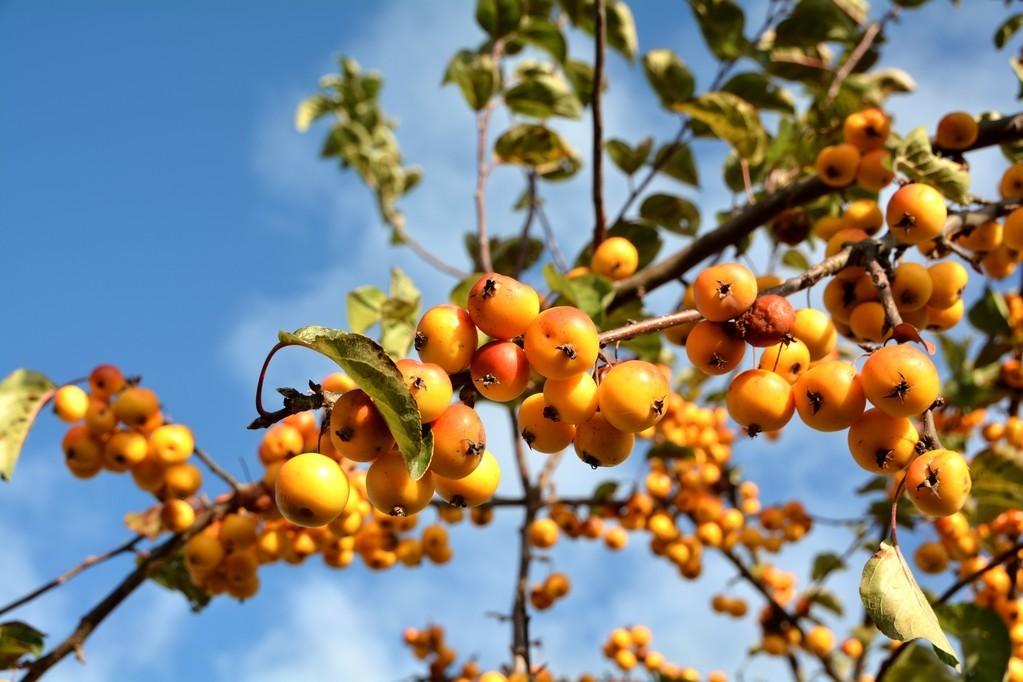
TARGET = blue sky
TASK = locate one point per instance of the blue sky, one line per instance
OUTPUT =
(160, 212)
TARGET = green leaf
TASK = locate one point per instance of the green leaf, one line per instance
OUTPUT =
(18, 639)
(721, 23)
(673, 213)
(460, 293)
(897, 605)
(476, 75)
(757, 89)
(605, 490)
(857, 10)
(399, 315)
(985, 639)
(795, 259)
(376, 374)
(919, 664)
(545, 35)
(498, 17)
(826, 599)
(991, 314)
(580, 77)
(812, 22)
(22, 393)
(997, 474)
(669, 76)
(543, 96)
(825, 563)
(504, 253)
(1017, 68)
(730, 118)
(680, 165)
(629, 159)
(173, 575)
(1008, 29)
(621, 29)
(312, 108)
(533, 145)
(915, 158)
(590, 293)
(364, 307)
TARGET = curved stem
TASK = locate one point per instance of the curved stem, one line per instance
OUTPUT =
(262, 376)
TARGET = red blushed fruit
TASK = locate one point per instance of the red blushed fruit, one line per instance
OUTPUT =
(500, 371)
(767, 321)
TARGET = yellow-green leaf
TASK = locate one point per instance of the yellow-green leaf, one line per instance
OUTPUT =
(669, 76)
(915, 158)
(730, 118)
(22, 394)
(376, 374)
(312, 108)
(897, 605)
(18, 639)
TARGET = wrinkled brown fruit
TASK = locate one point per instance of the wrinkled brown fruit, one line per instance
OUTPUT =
(791, 226)
(767, 321)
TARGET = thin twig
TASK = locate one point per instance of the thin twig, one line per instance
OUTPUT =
(427, 255)
(262, 375)
(88, 562)
(861, 49)
(520, 648)
(91, 620)
(599, 33)
(552, 242)
(482, 172)
(520, 264)
(227, 478)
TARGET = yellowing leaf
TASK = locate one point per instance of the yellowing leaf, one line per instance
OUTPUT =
(22, 394)
(897, 605)
(730, 118)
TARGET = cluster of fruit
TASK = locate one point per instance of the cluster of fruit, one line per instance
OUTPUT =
(117, 426)
(554, 587)
(630, 647)
(861, 157)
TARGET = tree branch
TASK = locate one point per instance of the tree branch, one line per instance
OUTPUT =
(753, 215)
(599, 33)
(227, 478)
(427, 255)
(88, 562)
(482, 172)
(91, 620)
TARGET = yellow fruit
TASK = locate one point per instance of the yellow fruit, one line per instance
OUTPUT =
(574, 398)
(311, 490)
(392, 491)
(633, 395)
(474, 489)
(615, 258)
(172, 443)
(70, 403)
(541, 426)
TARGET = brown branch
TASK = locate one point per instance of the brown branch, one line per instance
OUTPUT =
(427, 255)
(990, 133)
(730, 232)
(482, 172)
(599, 33)
(227, 478)
(91, 620)
(753, 215)
(88, 562)
(520, 264)
(520, 648)
(790, 286)
(861, 49)
(294, 402)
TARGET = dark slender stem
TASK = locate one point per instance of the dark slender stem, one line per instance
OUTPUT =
(88, 562)
(520, 609)
(262, 375)
(599, 32)
(866, 41)
(520, 265)
(230, 480)
(552, 242)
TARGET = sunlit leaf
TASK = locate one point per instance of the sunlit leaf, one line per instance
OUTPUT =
(984, 637)
(668, 76)
(18, 639)
(22, 394)
(730, 118)
(898, 607)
